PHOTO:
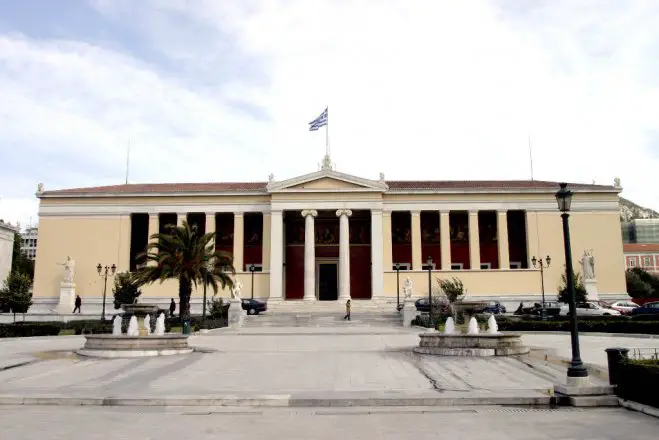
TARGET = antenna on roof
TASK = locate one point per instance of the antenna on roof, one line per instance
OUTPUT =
(531, 157)
(127, 160)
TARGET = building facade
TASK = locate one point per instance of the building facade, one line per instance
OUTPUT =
(29, 240)
(7, 233)
(643, 255)
(642, 230)
(333, 236)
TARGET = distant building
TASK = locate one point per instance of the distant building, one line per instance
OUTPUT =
(644, 230)
(643, 255)
(29, 243)
(7, 232)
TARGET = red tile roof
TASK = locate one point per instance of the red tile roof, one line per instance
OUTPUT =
(640, 247)
(394, 185)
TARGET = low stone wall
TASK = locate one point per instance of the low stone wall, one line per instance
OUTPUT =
(508, 344)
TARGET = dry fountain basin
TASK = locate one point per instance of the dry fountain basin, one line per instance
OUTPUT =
(500, 344)
(138, 341)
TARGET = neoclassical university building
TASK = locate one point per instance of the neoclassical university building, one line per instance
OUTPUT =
(330, 236)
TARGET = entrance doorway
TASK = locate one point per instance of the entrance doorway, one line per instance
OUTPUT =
(328, 280)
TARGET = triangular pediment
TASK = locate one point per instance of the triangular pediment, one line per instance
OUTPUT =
(327, 181)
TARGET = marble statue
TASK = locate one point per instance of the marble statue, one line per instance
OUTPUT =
(69, 268)
(147, 324)
(40, 188)
(160, 325)
(116, 325)
(616, 182)
(236, 290)
(381, 177)
(587, 262)
(271, 178)
(407, 287)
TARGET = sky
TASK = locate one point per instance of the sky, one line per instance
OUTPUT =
(223, 90)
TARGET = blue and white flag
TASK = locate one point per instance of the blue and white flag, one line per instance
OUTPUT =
(319, 121)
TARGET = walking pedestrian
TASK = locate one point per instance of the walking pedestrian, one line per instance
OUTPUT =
(347, 311)
(78, 303)
(172, 308)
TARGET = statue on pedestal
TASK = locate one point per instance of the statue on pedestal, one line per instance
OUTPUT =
(587, 262)
(407, 288)
(236, 290)
(69, 268)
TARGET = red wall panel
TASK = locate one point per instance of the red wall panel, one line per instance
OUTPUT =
(434, 251)
(294, 272)
(460, 253)
(490, 254)
(360, 272)
(253, 255)
(401, 253)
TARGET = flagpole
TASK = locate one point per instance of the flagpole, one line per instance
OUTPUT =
(327, 150)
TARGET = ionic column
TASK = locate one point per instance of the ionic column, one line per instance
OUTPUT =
(276, 255)
(445, 239)
(474, 242)
(238, 241)
(154, 228)
(416, 240)
(344, 254)
(180, 218)
(210, 223)
(377, 269)
(309, 255)
(502, 240)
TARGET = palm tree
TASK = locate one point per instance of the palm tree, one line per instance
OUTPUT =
(183, 254)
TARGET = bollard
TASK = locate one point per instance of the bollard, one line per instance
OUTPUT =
(615, 357)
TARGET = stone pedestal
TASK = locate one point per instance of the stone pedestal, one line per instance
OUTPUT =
(236, 313)
(67, 298)
(591, 289)
(409, 312)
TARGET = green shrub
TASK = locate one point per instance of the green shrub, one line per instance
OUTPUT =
(610, 325)
(641, 283)
(23, 329)
(16, 294)
(89, 326)
(639, 381)
(217, 308)
(579, 289)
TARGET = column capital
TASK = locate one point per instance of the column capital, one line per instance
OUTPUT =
(210, 213)
(311, 212)
(238, 213)
(445, 211)
(415, 212)
(502, 211)
(346, 212)
(473, 211)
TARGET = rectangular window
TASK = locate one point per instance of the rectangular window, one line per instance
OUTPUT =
(402, 266)
(456, 266)
(486, 266)
(515, 264)
(632, 262)
(139, 236)
(647, 261)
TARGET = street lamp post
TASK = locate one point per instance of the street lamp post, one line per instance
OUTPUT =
(430, 291)
(576, 372)
(398, 286)
(542, 265)
(103, 273)
(252, 269)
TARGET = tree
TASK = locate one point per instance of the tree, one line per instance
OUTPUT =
(636, 287)
(125, 290)
(579, 289)
(183, 254)
(16, 293)
(21, 263)
(650, 279)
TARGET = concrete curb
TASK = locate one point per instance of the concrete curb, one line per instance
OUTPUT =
(283, 400)
(635, 406)
(545, 355)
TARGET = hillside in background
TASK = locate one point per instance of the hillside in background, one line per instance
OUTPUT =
(630, 211)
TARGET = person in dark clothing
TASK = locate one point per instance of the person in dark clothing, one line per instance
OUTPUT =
(347, 311)
(78, 303)
(172, 308)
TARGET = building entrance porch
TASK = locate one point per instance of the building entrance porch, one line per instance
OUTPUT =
(327, 280)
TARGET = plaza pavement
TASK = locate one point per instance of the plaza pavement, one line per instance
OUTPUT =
(345, 365)
(490, 423)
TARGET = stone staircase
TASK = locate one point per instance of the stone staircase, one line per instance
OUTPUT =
(325, 314)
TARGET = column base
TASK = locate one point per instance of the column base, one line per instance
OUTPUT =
(309, 298)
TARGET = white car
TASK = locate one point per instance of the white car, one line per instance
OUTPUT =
(590, 309)
(624, 307)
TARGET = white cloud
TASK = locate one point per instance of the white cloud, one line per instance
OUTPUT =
(417, 89)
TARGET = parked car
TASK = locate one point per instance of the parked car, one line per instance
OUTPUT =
(624, 307)
(253, 306)
(651, 308)
(552, 308)
(590, 309)
(495, 307)
(423, 305)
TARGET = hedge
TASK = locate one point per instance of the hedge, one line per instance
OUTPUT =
(22, 329)
(599, 325)
(639, 381)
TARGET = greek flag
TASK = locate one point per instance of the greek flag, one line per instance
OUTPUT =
(319, 121)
